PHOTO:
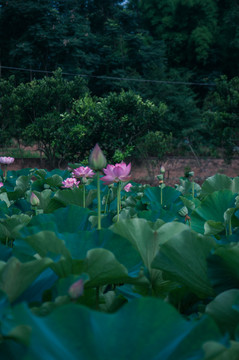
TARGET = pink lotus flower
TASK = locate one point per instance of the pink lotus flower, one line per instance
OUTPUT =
(1, 184)
(70, 183)
(6, 160)
(83, 172)
(127, 187)
(76, 289)
(116, 173)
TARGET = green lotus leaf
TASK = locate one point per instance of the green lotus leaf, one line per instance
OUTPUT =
(220, 182)
(140, 233)
(221, 310)
(213, 227)
(218, 351)
(145, 328)
(49, 179)
(183, 258)
(47, 244)
(15, 277)
(223, 267)
(212, 208)
(153, 196)
(146, 240)
(69, 219)
(81, 242)
(67, 197)
(4, 197)
(190, 202)
(103, 268)
(22, 185)
(10, 227)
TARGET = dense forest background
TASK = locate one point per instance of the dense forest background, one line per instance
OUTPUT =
(139, 76)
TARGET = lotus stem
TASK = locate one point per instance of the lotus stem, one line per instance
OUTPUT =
(106, 200)
(83, 195)
(118, 199)
(98, 200)
(230, 227)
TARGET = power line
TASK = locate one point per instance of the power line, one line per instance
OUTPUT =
(112, 77)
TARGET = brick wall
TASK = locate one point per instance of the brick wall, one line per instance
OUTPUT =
(146, 171)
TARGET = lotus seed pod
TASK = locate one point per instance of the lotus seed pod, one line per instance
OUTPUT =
(183, 211)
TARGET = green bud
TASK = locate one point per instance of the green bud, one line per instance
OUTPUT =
(34, 200)
(97, 160)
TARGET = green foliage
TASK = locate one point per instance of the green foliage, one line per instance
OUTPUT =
(221, 115)
(117, 121)
(155, 144)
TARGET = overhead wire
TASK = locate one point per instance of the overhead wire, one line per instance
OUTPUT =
(112, 77)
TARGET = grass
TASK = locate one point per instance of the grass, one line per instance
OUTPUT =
(19, 153)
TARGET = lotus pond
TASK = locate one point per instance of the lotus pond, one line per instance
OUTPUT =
(159, 279)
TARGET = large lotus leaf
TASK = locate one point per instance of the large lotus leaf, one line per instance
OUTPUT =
(16, 173)
(47, 244)
(20, 206)
(15, 277)
(22, 185)
(218, 351)
(220, 182)
(5, 252)
(212, 208)
(171, 202)
(10, 182)
(35, 291)
(10, 227)
(190, 202)
(212, 227)
(4, 197)
(153, 195)
(221, 309)
(223, 267)
(9, 348)
(4, 209)
(146, 240)
(145, 328)
(54, 181)
(183, 258)
(67, 197)
(103, 268)
(70, 219)
(46, 181)
(140, 233)
(79, 243)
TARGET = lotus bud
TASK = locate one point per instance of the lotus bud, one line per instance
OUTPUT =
(34, 200)
(76, 289)
(162, 169)
(97, 160)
